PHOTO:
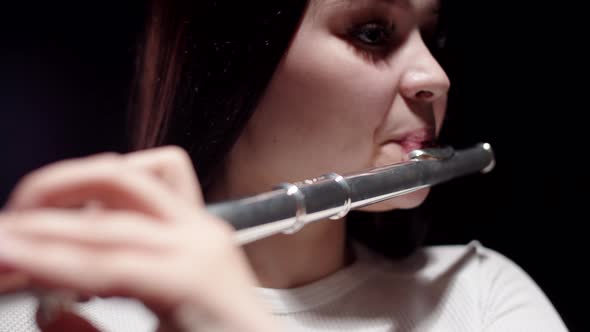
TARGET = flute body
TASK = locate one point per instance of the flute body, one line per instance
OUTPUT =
(293, 205)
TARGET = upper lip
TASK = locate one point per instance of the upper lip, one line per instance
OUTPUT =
(421, 135)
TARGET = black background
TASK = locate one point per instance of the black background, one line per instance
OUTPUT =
(519, 82)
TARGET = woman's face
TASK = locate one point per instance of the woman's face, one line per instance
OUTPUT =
(357, 88)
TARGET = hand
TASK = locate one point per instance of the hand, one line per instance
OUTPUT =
(148, 236)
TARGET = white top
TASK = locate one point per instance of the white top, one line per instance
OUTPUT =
(440, 288)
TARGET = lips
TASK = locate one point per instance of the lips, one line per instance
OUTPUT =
(415, 139)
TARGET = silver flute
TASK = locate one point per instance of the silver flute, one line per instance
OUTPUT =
(291, 206)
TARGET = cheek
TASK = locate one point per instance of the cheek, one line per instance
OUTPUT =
(324, 104)
(319, 114)
(324, 72)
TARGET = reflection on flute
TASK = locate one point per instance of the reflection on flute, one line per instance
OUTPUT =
(291, 206)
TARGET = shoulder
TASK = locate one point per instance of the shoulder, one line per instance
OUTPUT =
(478, 270)
(433, 262)
(497, 290)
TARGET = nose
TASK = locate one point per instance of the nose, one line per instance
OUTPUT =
(424, 79)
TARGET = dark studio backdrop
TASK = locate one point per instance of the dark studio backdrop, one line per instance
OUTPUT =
(65, 69)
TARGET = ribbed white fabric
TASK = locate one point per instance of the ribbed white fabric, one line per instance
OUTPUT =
(441, 288)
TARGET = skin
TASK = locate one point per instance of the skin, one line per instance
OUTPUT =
(350, 93)
(146, 236)
(337, 104)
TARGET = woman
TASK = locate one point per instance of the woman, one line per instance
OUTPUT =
(254, 96)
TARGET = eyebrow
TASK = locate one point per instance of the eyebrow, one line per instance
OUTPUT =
(351, 2)
(317, 7)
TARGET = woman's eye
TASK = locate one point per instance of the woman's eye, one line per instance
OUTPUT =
(373, 34)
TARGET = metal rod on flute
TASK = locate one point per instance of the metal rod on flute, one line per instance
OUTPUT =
(291, 206)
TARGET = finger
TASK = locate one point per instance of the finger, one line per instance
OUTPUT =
(111, 230)
(13, 282)
(83, 270)
(171, 164)
(103, 178)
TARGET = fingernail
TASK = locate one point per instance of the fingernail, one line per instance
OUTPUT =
(7, 246)
(3, 240)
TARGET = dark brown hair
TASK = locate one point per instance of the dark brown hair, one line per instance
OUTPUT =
(204, 66)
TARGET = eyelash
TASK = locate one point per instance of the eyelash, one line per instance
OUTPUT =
(388, 38)
(375, 38)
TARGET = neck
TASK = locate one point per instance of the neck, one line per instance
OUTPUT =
(288, 261)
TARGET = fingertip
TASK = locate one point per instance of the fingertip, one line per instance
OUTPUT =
(12, 281)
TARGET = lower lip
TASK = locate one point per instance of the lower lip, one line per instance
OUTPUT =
(418, 139)
(408, 146)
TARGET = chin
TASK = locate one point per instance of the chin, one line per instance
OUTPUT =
(408, 201)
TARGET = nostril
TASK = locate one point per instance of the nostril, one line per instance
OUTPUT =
(423, 94)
